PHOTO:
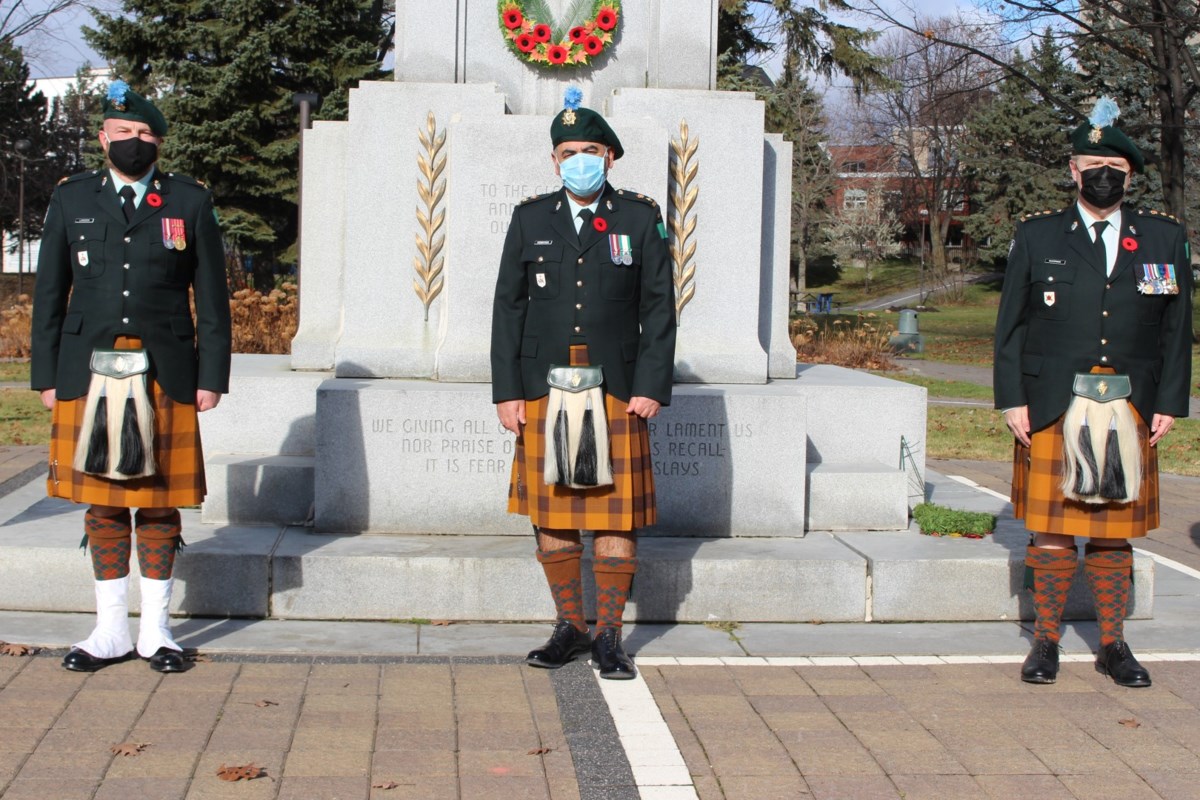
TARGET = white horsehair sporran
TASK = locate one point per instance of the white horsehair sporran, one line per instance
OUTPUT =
(1102, 457)
(577, 453)
(116, 440)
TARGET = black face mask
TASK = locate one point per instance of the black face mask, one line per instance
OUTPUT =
(132, 156)
(1103, 187)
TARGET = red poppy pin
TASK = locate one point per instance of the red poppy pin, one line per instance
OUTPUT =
(599, 224)
(1129, 243)
(154, 199)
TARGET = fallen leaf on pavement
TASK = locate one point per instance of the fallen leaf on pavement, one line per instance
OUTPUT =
(384, 785)
(128, 748)
(441, 623)
(1129, 723)
(199, 658)
(246, 772)
(10, 649)
(265, 703)
(540, 751)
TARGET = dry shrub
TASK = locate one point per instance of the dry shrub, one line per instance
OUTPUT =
(264, 323)
(15, 324)
(861, 343)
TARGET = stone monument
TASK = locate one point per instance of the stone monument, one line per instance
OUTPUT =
(383, 423)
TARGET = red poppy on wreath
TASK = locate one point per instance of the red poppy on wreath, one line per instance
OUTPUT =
(599, 224)
(606, 19)
(556, 53)
(513, 18)
(1129, 243)
(155, 200)
(526, 43)
(577, 35)
(541, 33)
(592, 46)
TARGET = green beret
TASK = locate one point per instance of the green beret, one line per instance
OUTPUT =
(1100, 136)
(121, 102)
(583, 125)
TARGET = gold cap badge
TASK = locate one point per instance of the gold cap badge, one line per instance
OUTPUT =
(568, 117)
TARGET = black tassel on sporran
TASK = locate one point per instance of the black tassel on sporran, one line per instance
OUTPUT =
(97, 453)
(562, 447)
(1086, 483)
(133, 454)
(1112, 484)
(585, 459)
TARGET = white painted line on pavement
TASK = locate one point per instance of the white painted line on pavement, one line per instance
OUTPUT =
(658, 767)
(1169, 562)
(974, 485)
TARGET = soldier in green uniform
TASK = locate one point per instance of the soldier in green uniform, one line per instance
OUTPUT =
(121, 249)
(1092, 366)
(584, 280)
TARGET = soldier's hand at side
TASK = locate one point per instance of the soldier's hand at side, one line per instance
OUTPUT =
(644, 407)
(512, 414)
(206, 399)
(48, 398)
(1017, 420)
(1160, 424)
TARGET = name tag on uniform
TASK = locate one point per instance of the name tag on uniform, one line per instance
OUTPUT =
(1058, 262)
(1158, 279)
(85, 221)
(1048, 298)
(544, 241)
(541, 279)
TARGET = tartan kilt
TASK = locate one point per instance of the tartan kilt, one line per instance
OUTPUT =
(626, 505)
(177, 452)
(1037, 498)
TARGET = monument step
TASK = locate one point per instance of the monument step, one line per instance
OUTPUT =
(254, 488)
(856, 496)
(292, 573)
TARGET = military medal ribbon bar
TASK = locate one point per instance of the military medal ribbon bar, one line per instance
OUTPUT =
(1158, 279)
(168, 237)
(620, 248)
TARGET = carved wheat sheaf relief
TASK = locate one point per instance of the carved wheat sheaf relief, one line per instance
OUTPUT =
(682, 223)
(431, 188)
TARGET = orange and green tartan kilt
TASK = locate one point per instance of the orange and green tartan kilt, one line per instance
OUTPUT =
(626, 505)
(180, 477)
(1037, 498)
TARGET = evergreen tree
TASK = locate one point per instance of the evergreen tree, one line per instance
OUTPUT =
(22, 117)
(224, 73)
(1016, 151)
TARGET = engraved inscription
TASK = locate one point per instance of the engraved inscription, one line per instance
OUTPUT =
(500, 199)
(693, 449)
(450, 446)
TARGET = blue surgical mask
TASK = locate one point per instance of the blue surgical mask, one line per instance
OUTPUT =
(582, 174)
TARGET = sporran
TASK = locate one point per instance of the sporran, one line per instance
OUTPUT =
(1102, 458)
(116, 440)
(577, 451)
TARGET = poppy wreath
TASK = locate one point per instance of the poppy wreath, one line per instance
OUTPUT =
(534, 36)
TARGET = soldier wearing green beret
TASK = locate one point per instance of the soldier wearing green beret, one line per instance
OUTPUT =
(1092, 366)
(584, 282)
(125, 368)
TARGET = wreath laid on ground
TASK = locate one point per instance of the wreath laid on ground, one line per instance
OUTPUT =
(938, 520)
(535, 36)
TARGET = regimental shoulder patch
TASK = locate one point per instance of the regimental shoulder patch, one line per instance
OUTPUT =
(535, 197)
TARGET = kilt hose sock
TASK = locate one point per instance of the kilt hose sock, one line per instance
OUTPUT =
(1048, 575)
(566, 583)
(158, 540)
(1108, 571)
(614, 580)
(109, 544)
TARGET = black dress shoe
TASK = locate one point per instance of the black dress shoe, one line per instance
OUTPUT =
(167, 660)
(564, 644)
(1116, 661)
(1041, 665)
(610, 657)
(82, 661)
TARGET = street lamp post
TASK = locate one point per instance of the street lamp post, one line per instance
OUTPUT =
(22, 146)
(921, 279)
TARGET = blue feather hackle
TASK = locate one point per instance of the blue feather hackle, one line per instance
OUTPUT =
(572, 98)
(117, 90)
(1105, 113)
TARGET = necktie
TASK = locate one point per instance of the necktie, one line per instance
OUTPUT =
(128, 194)
(586, 216)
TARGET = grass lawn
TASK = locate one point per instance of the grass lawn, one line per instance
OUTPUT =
(14, 371)
(959, 390)
(981, 435)
(23, 419)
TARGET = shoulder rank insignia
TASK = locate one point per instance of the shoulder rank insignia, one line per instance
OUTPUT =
(629, 194)
(533, 197)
